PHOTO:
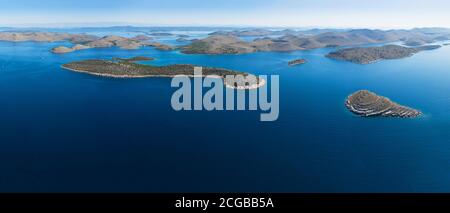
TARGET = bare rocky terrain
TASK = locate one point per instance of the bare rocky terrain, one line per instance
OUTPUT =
(366, 103)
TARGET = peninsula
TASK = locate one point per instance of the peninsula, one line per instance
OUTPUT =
(126, 68)
(367, 55)
(366, 103)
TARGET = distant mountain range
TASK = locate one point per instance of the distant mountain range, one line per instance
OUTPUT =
(229, 40)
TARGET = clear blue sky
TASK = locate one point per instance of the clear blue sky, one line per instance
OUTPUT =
(284, 13)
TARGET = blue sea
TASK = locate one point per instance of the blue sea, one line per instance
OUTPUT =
(62, 131)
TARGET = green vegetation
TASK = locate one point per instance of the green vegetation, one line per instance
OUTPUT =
(366, 55)
(127, 68)
(196, 47)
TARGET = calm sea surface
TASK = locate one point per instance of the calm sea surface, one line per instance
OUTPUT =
(62, 131)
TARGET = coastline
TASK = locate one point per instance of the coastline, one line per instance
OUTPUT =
(118, 76)
(393, 110)
(262, 83)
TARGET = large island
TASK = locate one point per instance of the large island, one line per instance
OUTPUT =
(366, 103)
(127, 68)
(83, 41)
(113, 41)
(367, 55)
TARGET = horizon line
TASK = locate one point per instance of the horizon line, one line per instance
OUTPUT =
(137, 25)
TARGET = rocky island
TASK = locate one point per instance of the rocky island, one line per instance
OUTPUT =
(63, 49)
(126, 68)
(115, 41)
(367, 55)
(366, 103)
(296, 62)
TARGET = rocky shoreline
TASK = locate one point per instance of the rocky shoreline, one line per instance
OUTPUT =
(367, 104)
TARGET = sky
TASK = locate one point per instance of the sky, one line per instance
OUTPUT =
(385, 14)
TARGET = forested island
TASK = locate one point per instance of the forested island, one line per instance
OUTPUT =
(127, 68)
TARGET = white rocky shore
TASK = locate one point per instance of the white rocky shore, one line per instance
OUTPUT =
(366, 104)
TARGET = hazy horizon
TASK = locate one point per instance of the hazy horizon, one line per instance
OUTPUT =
(110, 25)
(381, 14)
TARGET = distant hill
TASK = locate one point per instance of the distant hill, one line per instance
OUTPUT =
(223, 42)
(82, 41)
(366, 55)
(228, 40)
